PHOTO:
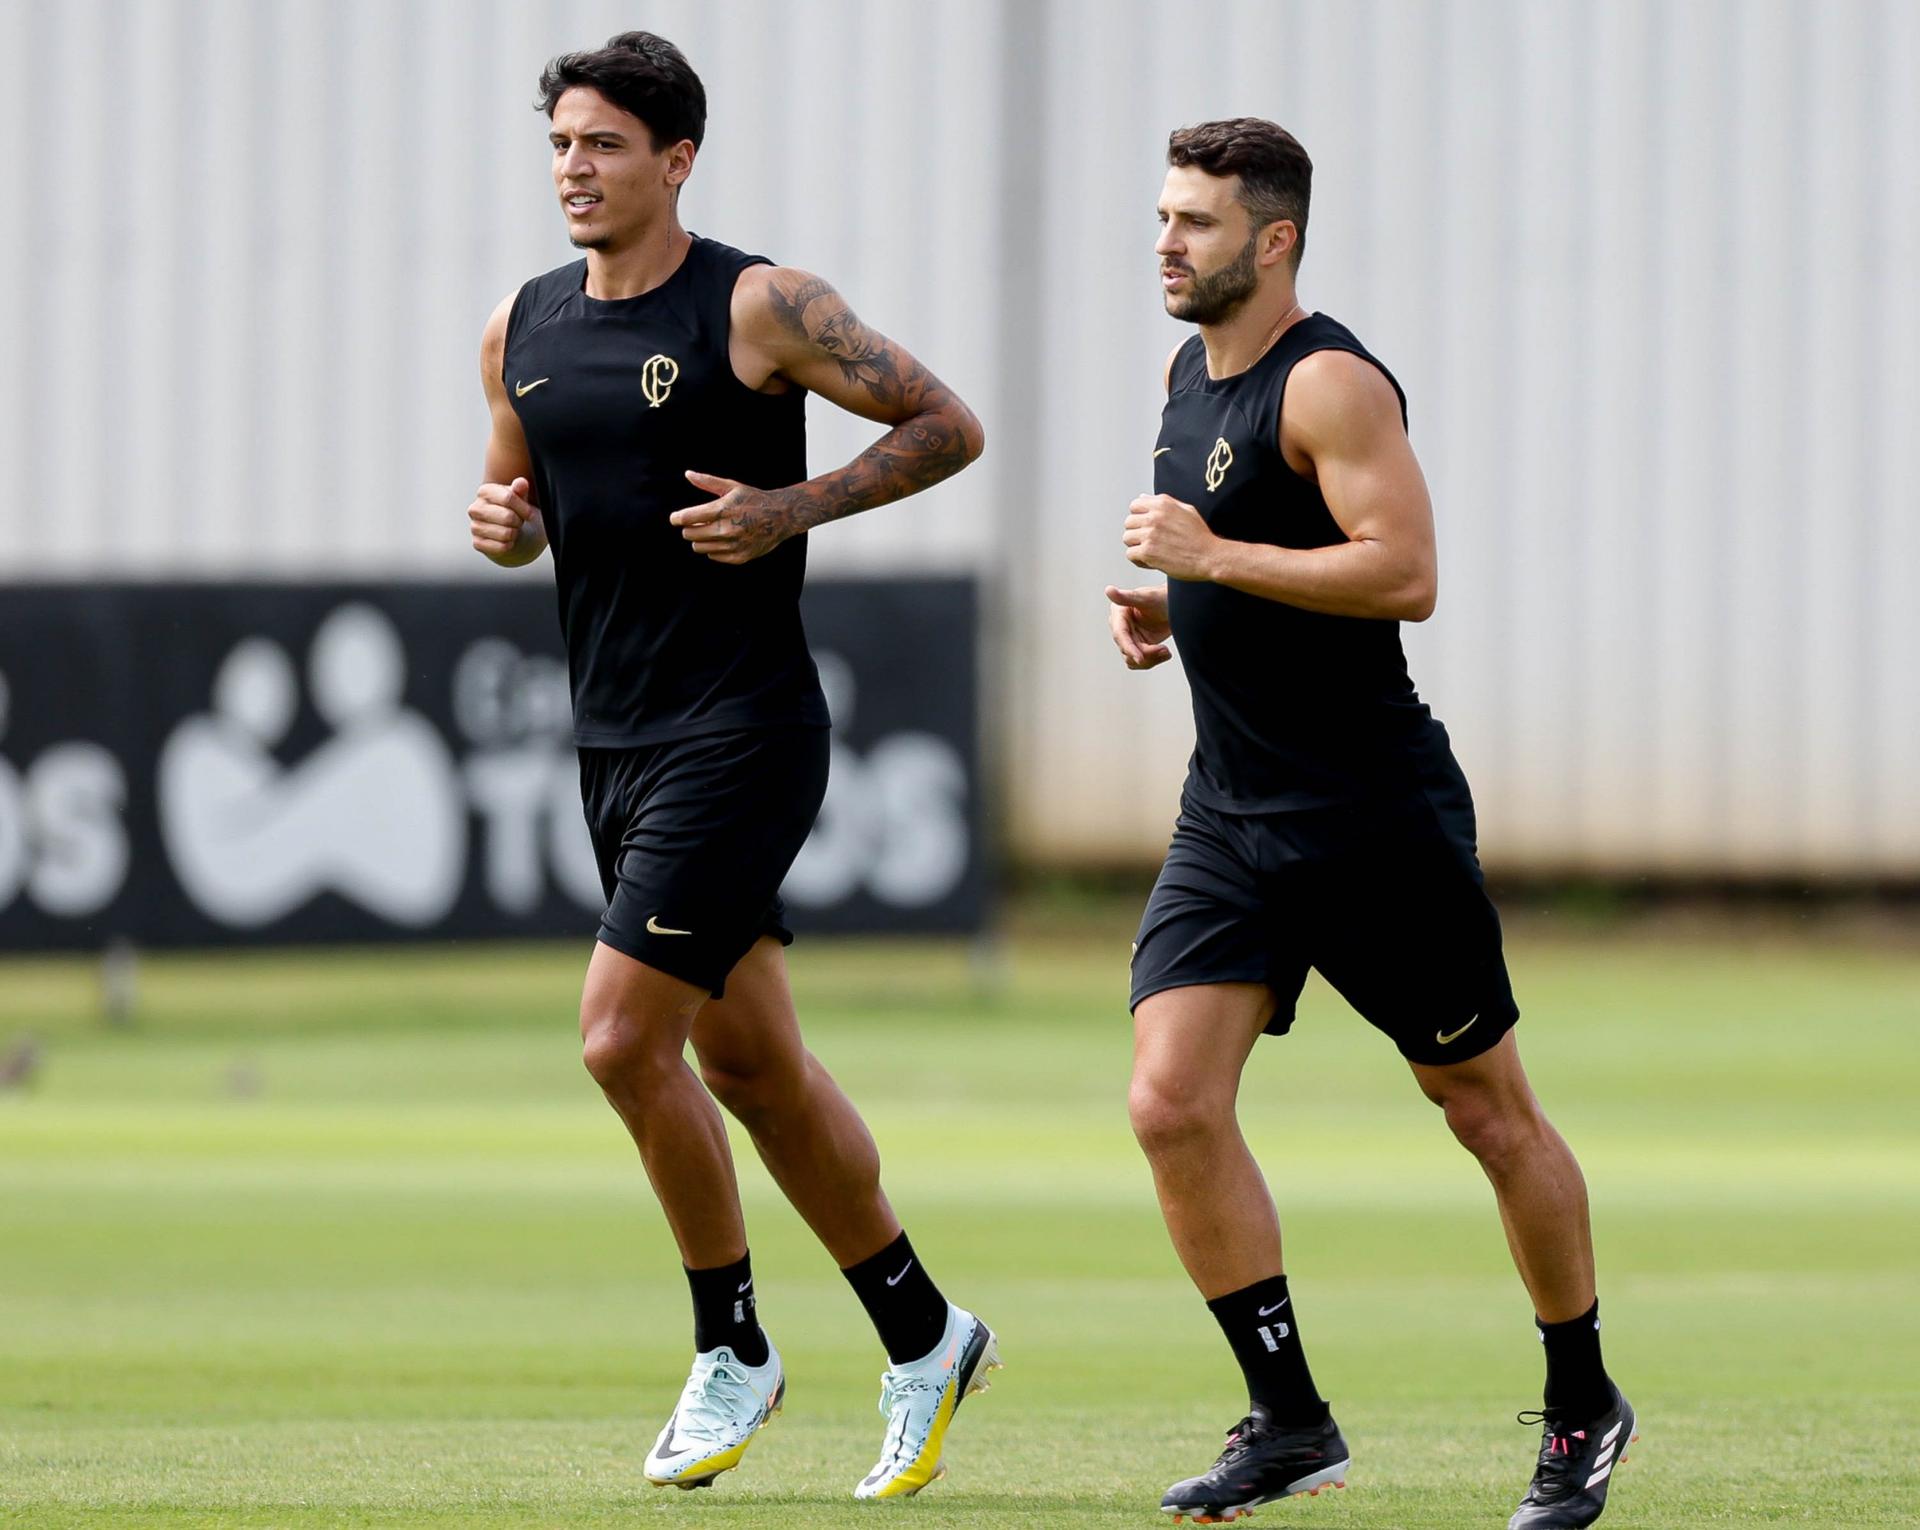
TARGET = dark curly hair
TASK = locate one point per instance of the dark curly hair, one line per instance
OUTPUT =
(643, 75)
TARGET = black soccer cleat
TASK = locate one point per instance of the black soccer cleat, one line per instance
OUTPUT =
(1569, 1487)
(1262, 1462)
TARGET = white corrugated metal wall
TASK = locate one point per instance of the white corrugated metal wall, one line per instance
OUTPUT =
(1644, 268)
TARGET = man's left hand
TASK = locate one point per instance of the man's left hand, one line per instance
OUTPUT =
(1169, 535)
(738, 525)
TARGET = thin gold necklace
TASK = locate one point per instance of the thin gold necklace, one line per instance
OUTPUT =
(1281, 324)
(1258, 355)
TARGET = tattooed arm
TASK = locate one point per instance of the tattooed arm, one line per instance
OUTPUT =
(791, 329)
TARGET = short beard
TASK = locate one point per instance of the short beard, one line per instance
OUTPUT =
(1216, 298)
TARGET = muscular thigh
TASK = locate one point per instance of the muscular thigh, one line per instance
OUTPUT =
(1191, 1042)
(753, 1028)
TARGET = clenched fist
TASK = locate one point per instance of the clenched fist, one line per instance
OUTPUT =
(506, 525)
(1168, 534)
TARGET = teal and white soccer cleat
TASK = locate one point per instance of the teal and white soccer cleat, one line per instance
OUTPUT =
(919, 1400)
(722, 1407)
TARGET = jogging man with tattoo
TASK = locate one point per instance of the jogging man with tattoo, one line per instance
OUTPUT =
(647, 425)
(1324, 823)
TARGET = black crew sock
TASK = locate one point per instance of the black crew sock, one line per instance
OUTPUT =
(1577, 1384)
(1259, 1324)
(724, 1311)
(906, 1306)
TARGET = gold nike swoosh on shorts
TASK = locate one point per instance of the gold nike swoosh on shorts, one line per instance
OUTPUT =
(655, 927)
(1444, 1037)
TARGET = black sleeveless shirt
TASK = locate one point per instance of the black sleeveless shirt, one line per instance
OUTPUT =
(618, 399)
(1291, 708)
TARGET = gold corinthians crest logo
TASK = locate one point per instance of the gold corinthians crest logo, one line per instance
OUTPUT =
(657, 378)
(1218, 461)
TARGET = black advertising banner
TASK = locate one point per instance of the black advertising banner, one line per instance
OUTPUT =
(197, 764)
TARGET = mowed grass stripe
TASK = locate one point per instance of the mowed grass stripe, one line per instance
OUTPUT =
(332, 1241)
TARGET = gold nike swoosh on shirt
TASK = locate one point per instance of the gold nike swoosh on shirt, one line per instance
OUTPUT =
(521, 390)
(1444, 1038)
(1163, 451)
(655, 927)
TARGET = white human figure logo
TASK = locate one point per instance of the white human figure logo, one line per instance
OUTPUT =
(374, 814)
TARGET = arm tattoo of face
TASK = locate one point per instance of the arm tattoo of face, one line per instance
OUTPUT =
(810, 310)
(930, 444)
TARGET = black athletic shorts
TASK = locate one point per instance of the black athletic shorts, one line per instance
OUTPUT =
(1384, 899)
(694, 837)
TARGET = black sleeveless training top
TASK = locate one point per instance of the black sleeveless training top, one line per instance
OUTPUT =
(618, 399)
(1291, 708)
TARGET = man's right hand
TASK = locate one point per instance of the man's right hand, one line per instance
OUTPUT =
(505, 524)
(1138, 621)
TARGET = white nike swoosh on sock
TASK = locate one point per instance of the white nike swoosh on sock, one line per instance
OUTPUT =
(894, 1280)
(1267, 1311)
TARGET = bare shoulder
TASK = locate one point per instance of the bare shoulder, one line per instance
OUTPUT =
(752, 300)
(776, 306)
(1166, 375)
(1336, 395)
(767, 319)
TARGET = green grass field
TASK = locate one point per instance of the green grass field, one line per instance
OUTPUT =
(350, 1240)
